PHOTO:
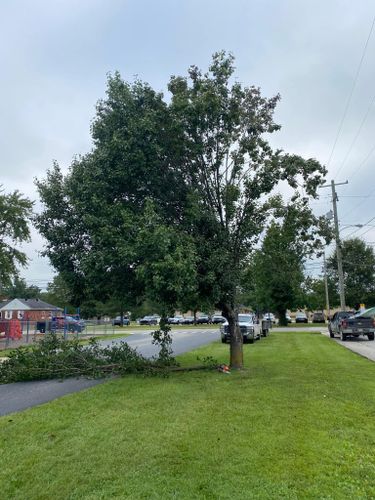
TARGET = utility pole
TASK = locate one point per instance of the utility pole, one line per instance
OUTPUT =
(326, 286)
(338, 242)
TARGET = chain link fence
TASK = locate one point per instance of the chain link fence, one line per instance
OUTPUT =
(15, 332)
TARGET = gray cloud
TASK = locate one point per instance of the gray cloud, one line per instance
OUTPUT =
(55, 56)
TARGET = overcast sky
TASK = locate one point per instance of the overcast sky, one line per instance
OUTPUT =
(55, 56)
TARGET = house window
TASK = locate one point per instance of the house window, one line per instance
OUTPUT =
(8, 314)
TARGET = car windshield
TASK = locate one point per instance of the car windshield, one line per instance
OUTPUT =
(368, 313)
(245, 318)
(301, 314)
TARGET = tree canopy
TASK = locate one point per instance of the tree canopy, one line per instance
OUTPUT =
(21, 290)
(175, 193)
(275, 276)
(15, 216)
(359, 271)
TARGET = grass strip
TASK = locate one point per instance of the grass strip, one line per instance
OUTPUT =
(298, 422)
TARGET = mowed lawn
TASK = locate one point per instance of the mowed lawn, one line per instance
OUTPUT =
(299, 422)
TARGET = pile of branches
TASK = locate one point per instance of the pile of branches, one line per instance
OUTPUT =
(54, 357)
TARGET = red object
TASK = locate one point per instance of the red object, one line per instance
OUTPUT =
(15, 330)
(224, 369)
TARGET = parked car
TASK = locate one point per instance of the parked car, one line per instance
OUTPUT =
(217, 318)
(336, 320)
(61, 323)
(117, 321)
(203, 319)
(188, 320)
(301, 317)
(270, 317)
(318, 317)
(251, 328)
(348, 324)
(149, 320)
(288, 318)
(175, 320)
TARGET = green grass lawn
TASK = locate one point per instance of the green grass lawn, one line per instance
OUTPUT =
(298, 422)
(303, 325)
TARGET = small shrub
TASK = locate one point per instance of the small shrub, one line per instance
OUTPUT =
(163, 339)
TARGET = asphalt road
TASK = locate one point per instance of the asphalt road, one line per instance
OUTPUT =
(22, 395)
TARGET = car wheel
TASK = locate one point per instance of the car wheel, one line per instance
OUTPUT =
(224, 340)
(371, 336)
(251, 341)
(342, 336)
(331, 334)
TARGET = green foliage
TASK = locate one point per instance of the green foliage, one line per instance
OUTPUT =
(163, 339)
(315, 294)
(54, 357)
(20, 289)
(175, 193)
(359, 271)
(275, 276)
(15, 215)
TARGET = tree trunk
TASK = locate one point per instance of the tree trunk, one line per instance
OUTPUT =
(236, 343)
(282, 318)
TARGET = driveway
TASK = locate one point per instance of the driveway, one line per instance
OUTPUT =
(360, 345)
(22, 395)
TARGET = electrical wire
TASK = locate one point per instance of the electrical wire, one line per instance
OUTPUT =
(367, 231)
(358, 229)
(351, 93)
(356, 136)
(358, 205)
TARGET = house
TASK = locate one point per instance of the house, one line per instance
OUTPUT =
(28, 309)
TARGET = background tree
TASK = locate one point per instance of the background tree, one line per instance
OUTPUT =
(21, 290)
(276, 271)
(359, 271)
(199, 166)
(15, 215)
(58, 293)
(315, 294)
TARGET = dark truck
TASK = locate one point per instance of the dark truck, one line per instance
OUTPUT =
(348, 324)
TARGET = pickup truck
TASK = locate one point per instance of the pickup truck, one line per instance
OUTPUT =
(348, 324)
(251, 328)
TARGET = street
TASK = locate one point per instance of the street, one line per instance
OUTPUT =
(22, 395)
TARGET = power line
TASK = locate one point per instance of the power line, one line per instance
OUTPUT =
(365, 159)
(356, 136)
(359, 204)
(367, 231)
(358, 229)
(351, 93)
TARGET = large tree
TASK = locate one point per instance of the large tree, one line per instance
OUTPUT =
(175, 193)
(359, 271)
(15, 216)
